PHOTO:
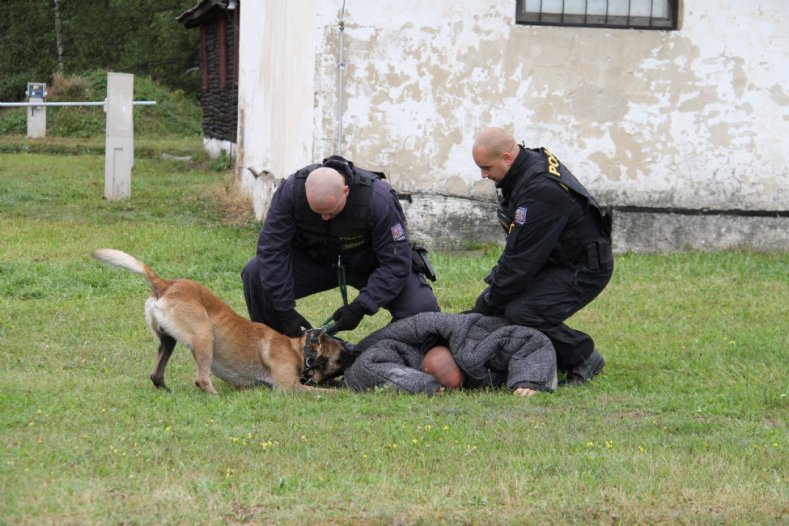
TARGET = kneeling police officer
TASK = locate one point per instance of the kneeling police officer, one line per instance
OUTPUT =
(328, 221)
(557, 257)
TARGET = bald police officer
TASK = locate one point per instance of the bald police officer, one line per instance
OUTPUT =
(557, 256)
(323, 217)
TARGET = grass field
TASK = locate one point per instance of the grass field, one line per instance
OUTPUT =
(687, 425)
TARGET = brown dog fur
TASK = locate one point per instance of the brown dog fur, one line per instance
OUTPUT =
(240, 352)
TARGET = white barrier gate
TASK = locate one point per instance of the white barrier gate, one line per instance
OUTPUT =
(119, 129)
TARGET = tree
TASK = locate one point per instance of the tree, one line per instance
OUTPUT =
(41, 37)
(27, 51)
(59, 35)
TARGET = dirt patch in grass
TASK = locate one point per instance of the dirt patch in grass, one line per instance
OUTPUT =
(234, 204)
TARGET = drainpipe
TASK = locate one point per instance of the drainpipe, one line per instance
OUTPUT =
(340, 78)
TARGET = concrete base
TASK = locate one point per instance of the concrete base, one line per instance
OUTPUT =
(659, 232)
(451, 223)
(214, 147)
(455, 223)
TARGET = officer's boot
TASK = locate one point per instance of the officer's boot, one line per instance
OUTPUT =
(585, 371)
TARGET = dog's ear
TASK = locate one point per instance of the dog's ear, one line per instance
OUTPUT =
(325, 342)
(347, 347)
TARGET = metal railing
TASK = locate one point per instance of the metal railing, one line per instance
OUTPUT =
(92, 103)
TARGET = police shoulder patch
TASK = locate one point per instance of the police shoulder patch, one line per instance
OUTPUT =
(520, 215)
(398, 232)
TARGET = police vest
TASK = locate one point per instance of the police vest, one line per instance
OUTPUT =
(558, 173)
(326, 240)
(579, 234)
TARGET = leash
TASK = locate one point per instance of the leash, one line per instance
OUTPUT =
(342, 281)
(327, 326)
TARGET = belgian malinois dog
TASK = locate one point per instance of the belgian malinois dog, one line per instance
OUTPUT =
(240, 352)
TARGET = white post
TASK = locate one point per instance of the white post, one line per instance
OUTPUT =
(119, 143)
(36, 115)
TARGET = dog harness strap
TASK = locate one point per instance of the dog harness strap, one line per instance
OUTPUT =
(309, 358)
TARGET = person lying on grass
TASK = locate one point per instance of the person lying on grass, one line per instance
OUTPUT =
(433, 351)
(441, 365)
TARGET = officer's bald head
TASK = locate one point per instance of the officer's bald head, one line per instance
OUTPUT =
(494, 151)
(326, 192)
(495, 141)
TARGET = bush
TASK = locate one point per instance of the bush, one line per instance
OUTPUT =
(13, 121)
(67, 89)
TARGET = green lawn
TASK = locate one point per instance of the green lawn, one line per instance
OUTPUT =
(687, 425)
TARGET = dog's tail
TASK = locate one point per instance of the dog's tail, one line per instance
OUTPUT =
(120, 259)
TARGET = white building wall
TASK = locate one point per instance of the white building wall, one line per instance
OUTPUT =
(695, 118)
(276, 95)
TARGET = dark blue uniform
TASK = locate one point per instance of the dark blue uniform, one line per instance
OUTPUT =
(298, 252)
(557, 256)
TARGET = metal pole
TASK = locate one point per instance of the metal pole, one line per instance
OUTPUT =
(91, 103)
(340, 79)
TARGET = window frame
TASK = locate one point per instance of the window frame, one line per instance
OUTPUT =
(669, 23)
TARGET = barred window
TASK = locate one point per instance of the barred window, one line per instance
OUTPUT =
(632, 14)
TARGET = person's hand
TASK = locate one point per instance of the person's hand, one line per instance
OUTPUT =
(348, 317)
(524, 391)
(481, 306)
(293, 323)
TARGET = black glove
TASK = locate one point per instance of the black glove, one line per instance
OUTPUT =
(292, 323)
(482, 306)
(347, 318)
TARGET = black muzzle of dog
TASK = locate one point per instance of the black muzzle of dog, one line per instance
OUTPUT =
(311, 358)
(313, 362)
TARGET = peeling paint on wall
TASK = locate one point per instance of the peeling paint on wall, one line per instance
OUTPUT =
(694, 118)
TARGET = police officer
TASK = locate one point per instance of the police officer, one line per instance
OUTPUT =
(328, 221)
(557, 256)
